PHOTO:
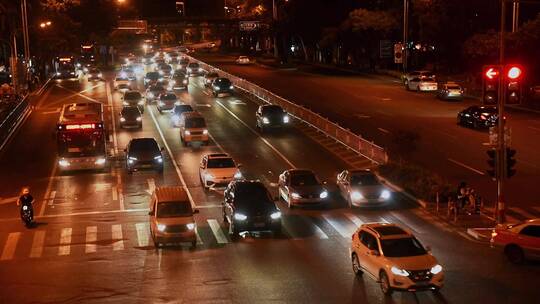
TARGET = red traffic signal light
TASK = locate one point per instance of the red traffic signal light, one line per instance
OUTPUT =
(514, 72)
(492, 73)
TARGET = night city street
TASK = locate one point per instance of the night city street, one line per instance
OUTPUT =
(242, 152)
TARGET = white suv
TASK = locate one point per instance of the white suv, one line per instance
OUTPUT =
(218, 170)
(395, 258)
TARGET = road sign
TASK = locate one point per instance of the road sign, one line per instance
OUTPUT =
(398, 53)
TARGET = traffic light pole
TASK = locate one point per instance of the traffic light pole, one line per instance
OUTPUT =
(501, 145)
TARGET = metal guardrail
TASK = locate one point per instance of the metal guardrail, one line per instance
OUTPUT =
(353, 141)
(13, 119)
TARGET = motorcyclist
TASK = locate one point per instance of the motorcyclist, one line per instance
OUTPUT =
(462, 195)
(26, 200)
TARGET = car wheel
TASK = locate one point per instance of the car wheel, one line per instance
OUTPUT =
(194, 244)
(385, 283)
(407, 85)
(357, 269)
(514, 254)
(233, 232)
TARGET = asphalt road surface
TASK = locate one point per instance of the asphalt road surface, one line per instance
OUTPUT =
(379, 108)
(92, 242)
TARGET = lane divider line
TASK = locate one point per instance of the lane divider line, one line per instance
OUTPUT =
(49, 186)
(65, 241)
(142, 234)
(218, 233)
(258, 135)
(52, 196)
(117, 237)
(171, 155)
(113, 122)
(91, 238)
(11, 245)
(465, 166)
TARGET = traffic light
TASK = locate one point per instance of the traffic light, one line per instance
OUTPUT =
(513, 83)
(510, 162)
(492, 162)
(490, 84)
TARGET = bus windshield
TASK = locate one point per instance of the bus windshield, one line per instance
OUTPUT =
(81, 144)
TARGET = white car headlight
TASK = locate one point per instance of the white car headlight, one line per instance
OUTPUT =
(240, 217)
(100, 161)
(158, 158)
(238, 175)
(231, 87)
(275, 215)
(122, 119)
(295, 195)
(184, 81)
(132, 158)
(356, 196)
(138, 118)
(161, 103)
(286, 119)
(141, 102)
(200, 69)
(216, 88)
(385, 194)
(85, 69)
(266, 120)
(436, 269)
(172, 82)
(323, 194)
(189, 70)
(399, 272)
(160, 72)
(150, 95)
(161, 227)
(57, 73)
(99, 75)
(24, 207)
(125, 103)
(190, 226)
(205, 132)
(161, 79)
(187, 132)
(63, 163)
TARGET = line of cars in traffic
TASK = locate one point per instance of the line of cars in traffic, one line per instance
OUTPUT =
(389, 253)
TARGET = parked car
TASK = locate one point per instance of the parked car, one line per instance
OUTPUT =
(362, 188)
(248, 206)
(143, 153)
(395, 259)
(519, 241)
(218, 170)
(171, 216)
(271, 116)
(301, 187)
(449, 91)
(422, 84)
(478, 117)
(417, 74)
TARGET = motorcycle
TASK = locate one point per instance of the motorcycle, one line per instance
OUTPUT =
(27, 215)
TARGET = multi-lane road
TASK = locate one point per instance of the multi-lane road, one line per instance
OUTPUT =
(379, 108)
(92, 242)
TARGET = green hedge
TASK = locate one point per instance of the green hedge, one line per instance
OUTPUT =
(421, 183)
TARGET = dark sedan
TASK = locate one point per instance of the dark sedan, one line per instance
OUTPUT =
(301, 187)
(271, 116)
(130, 117)
(478, 117)
(222, 86)
(248, 206)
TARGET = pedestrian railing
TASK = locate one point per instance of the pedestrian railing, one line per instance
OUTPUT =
(331, 129)
(12, 120)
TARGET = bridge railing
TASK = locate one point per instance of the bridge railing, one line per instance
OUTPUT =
(331, 129)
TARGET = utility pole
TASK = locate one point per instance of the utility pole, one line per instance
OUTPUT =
(275, 19)
(515, 16)
(501, 145)
(405, 33)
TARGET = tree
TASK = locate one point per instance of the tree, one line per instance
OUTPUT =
(59, 5)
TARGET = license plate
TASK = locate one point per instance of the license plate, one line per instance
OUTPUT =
(146, 166)
(259, 225)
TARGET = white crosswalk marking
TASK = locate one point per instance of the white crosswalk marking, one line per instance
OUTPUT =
(199, 240)
(151, 185)
(339, 227)
(118, 240)
(91, 238)
(37, 244)
(114, 190)
(142, 234)
(353, 218)
(523, 213)
(52, 196)
(318, 231)
(65, 241)
(11, 244)
(216, 229)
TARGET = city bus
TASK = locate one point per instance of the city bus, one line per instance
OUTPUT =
(65, 68)
(81, 137)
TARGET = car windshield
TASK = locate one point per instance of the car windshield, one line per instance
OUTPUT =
(144, 145)
(253, 197)
(152, 75)
(166, 67)
(212, 75)
(489, 110)
(222, 82)
(168, 97)
(174, 209)
(157, 89)
(130, 111)
(195, 122)
(364, 180)
(94, 71)
(220, 163)
(454, 87)
(132, 96)
(121, 79)
(182, 108)
(272, 110)
(304, 179)
(402, 247)
(193, 65)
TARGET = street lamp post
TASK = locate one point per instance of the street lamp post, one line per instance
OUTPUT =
(500, 216)
(275, 19)
(405, 33)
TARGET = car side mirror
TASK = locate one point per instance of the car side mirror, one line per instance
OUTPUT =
(240, 165)
(428, 248)
(195, 211)
(150, 212)
(374, 252)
